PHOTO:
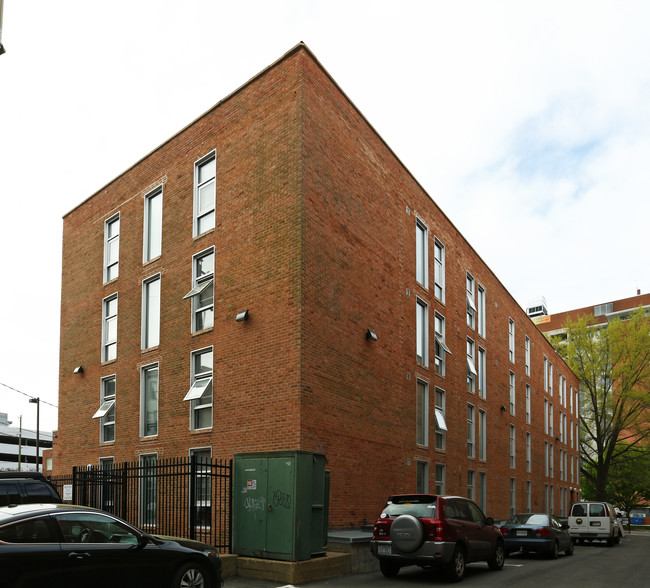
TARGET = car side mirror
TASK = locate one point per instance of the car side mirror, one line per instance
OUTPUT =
(489, 521)
(143, 540)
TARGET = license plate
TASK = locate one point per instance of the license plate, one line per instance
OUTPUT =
(595, 523)
(522, 533)
(383, 549)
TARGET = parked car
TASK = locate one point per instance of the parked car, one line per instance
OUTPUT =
(537, 533)
(26, 487)
(69, 546)
(429, 530)
(590, 521)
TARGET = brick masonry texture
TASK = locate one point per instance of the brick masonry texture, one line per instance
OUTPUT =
(315, 235)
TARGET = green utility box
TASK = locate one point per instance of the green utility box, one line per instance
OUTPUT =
(280, 502)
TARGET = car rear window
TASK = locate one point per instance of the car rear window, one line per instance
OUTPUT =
(416, 507)
(37, 492)
(579, 510)
(529, 519)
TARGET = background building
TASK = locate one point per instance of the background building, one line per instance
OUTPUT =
(553, 324)
(272, 278)
(18, 445)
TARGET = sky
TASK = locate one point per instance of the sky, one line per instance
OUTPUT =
(527, 122)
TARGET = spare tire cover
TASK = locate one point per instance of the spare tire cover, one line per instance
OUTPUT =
(407, 533)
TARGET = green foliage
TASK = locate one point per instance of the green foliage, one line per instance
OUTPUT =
(612, 362)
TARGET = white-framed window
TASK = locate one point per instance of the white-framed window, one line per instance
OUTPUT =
(422, 332)
(551, 472)
(150, 312)
(512, 393)
(550, 378)
(550, 419)
(421, 253)
(439, 272)
(482, 490)
(106, 411)
(576, 404)
(441, 479)
(200, 394)
(545, 416)
(528, 404)
(149, 400)
(422, 413)
(440, 347)
(152, 231)
(471, 431)
(112, 248)
(571, 433)
(422, 476)
(511, 340)
(441, 424)
(571, 398)
(561, 464)
(202, 292)
(527, 352)
(471, 484)
(572, 471)
(202, 459)
(482, 373)
(528, 453)
(471, 302)
(546, 458)
(513, 441)
(513, 497)
(107, 487)
(480, 311)
(552, 499)
(529, 496)
(560, 422)
(471, 366)
(148, 490)
(109, 328)
(205, 193)
(482, 435)
(545, 374)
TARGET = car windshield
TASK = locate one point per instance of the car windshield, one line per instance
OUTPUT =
(529, 519)
(415, 508)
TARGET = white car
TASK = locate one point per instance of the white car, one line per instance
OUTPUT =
(591, 521)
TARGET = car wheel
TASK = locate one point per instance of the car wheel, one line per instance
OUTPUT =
(407, 533)
(496, 563)
(555, 551)
(191, 575)
(569, 550)
(389, 568)
(455, 569)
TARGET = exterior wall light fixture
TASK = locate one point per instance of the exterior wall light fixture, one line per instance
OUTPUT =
(242, 316)
(371, 335)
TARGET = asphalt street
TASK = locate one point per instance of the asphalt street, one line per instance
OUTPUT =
(595, 565)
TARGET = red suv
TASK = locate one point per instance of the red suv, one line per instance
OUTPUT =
(427, 530)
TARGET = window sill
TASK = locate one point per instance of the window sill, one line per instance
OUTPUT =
(208, 330)
(199, 431)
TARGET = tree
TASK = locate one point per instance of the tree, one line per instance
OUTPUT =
(629, 483)
(612, 362)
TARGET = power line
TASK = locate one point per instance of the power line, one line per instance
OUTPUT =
(29, 395)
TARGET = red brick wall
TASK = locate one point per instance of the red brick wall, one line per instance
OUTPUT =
(315, 236)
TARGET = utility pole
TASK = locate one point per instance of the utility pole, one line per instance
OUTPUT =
(37, 402)
(2, 49)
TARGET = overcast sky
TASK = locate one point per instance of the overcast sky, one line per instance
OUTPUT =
(527, 122)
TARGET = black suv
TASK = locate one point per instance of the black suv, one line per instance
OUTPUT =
(26, 487)
(427, 530)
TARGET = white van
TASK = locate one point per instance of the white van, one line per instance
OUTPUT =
(590, 521)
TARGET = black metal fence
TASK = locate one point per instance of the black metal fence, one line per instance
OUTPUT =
(184, 497)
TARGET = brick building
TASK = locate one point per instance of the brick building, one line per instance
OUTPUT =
(554, 324)
(272, 277)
